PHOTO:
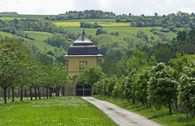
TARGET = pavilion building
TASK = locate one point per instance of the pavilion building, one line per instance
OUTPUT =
(81, 53)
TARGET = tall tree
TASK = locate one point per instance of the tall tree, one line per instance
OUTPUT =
(12, 57)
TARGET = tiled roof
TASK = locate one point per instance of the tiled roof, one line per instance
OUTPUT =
(83, 46)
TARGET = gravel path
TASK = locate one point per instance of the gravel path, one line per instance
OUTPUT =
(120, 116)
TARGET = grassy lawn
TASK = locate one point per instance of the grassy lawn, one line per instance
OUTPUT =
(162, 116)
(63, 111)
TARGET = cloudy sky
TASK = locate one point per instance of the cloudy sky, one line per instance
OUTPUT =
(136, 7)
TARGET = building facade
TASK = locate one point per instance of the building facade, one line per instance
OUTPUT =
(81, 53)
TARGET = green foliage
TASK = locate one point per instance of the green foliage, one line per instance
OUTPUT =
(182, 64)
(57, 76)
(118, 88)
(115, 33)
(179, 19)
(58, 40)
(162, 88)
(13, 58)
(27, 24)
(86, 14)
(185, 42)
(90, 75)
(89, 25)
(100, 31)
(141, 84)
(186, 94)
(117, 47)
(105, 86)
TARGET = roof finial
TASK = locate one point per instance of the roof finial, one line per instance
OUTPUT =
(83, 35)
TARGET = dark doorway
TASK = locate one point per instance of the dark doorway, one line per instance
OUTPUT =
(83, 90)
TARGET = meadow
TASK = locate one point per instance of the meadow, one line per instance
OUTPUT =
(123, 28)
(63, 111)
(39, 40)
(75, 23)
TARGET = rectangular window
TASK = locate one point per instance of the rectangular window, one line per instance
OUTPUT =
(82, 64)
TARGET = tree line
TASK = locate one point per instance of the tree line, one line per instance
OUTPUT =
(90, 25)
(20, 69)
(168, 22)
(15, 25)
(86, 14)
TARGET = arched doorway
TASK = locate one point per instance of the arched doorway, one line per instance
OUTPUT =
(83, 90)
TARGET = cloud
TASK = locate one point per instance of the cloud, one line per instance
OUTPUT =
(147, 7)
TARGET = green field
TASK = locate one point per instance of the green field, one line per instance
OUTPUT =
(39, 40)
(5, 34)
(102, 23)
(123, 31)
(162, 116)
(123, 28)
(63, 111)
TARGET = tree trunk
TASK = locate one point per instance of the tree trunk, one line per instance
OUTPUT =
(25, 92)
(35, 93)
(47, 92)
(142, 101)
(5, 94)
(57, 91)
(13, 94)
(50, 92)
(133, 100)
(30, 93)
(63, 91)
(21, 93)
(176, 106)
(39, 93)
(170, 108)
(8, 95)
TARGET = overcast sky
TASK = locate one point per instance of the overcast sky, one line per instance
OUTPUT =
(136, 7)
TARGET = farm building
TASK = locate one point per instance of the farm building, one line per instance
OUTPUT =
(81, 53)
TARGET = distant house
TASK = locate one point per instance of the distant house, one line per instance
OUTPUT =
(81, 53)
